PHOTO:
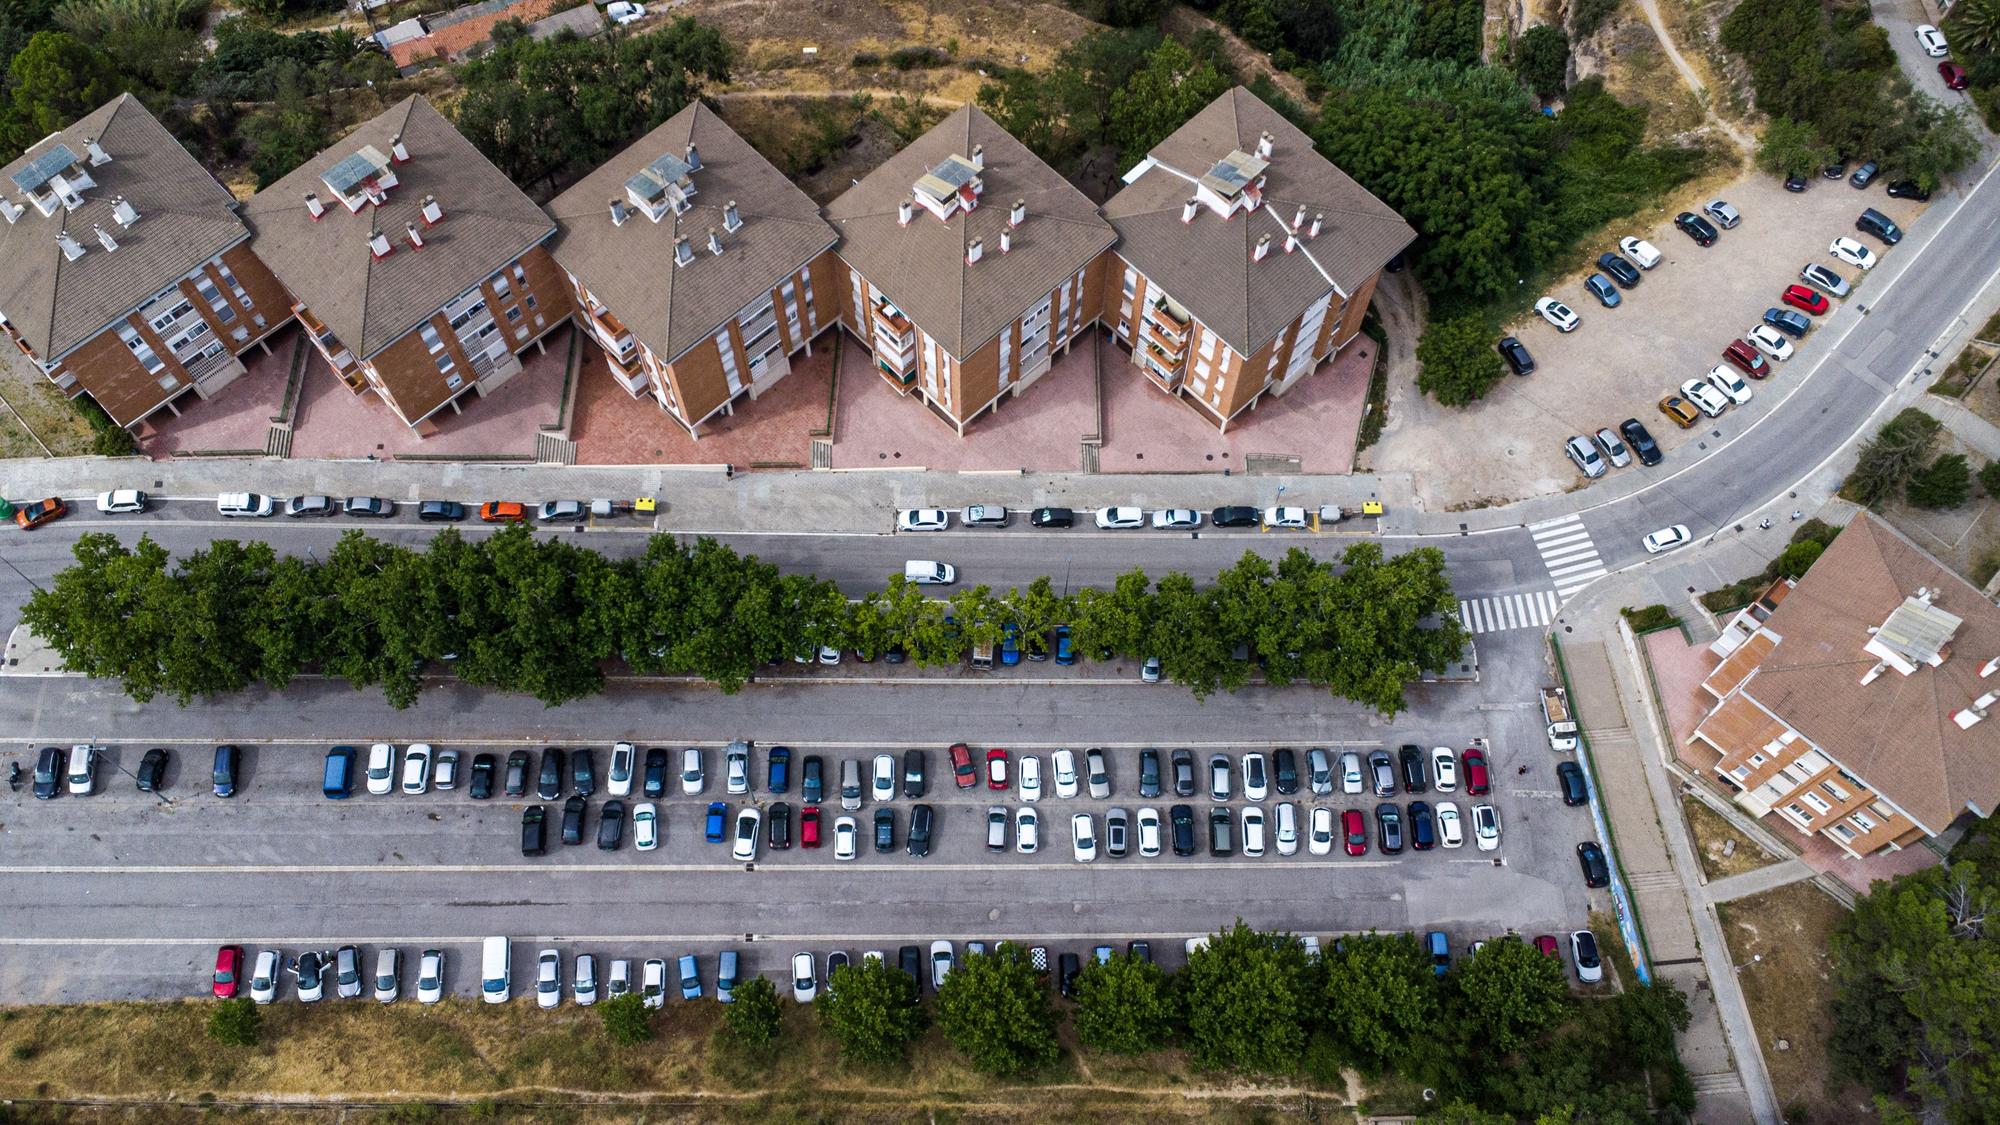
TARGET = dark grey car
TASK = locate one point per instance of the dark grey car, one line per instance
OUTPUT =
(1382, 773)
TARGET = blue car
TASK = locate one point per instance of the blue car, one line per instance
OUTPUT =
(779, 776)
(690, 978)
(1601, 288)
(1786, 321)
(1065, 651)
(1010, 644)
(1439, 947)
(717, 814)
(725, 977)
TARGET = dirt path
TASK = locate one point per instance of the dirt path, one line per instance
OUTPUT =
(1743, 140)
(771, 95)
(1400, 306)
(1184, 23)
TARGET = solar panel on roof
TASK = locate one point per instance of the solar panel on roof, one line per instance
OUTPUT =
(1233, 172)
(44, 168)
(352, 171)
(956, 171)
(669, 168)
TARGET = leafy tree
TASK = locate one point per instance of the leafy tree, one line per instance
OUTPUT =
(1113, 620)
(1974, 25)
(1250, 998)
(1586, 16)
(1793, 148)
(752, 1016)
(1037, 610)
(1989, 479)
(55, 79)
(1941, 142)
(1946, 483)
(234, 1023)
(995, 1009)
(1173, 86)
(108, 614)
(1891, 459)
(870, 1009)
(1510, 992)
(1381, 1000)
(1123, 1005)
(1367, 640)
(627, 1020)
(1541, 58)
(1456, 360)
(288, 134)
(1182, 632)
(1798, 558)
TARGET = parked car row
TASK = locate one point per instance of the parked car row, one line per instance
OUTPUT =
(1584, 958)
(256, 505)
(1126, 517)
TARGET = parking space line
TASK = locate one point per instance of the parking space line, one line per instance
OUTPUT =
(569, 869)
(837, 941)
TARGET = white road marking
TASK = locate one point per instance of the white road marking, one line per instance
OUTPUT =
(1571, 558)
(1503, 612)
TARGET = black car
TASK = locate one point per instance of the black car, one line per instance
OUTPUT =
(583, 772)
(778, 825)
(572, 824)
(152, 770)
(480, 786)
(812, 779)
(611, 825)
(440, 511)
(1569, 779)
(1621, 271)
(1182, 819)
(911, 960)
(655, 783)
(1423, 828)
(1695, 227)
(1051, 517)
(1641, 440)
(885, 830)
(224, 774)
(1285, 771)
(1389, 828)
(1183, 773)
(48, 772)
(517, 774)
(1516, 354)
(1590, 857)
(1142, 950)
(1067, 967)
(1149, 772)
(1865, 175)
(918, 843)
(549, 785)
(534, 830)
(1908, 189)
(1789, 321)
(913, 774)
(1835, 170)
(1235, 516)
(896, 654)
(1796, 183)
(1412, 760)
(1881, 226)
(1221, 833)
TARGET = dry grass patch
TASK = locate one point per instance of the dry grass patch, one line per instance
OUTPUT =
(44, 410)
(1712, 836)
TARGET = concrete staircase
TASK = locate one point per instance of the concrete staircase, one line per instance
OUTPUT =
(554, 449)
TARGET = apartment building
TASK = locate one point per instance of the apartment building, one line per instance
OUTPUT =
(129, 273)
(1851, 705)
(967, 265)
(419, 269)
(1244, 259)
(697, 267)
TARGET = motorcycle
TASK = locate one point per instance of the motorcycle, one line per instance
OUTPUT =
(14, 776)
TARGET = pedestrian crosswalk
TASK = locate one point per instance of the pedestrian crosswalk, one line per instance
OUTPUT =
(1565, 546)
(1502, 612)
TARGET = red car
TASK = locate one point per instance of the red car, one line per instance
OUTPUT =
(1806, 300)
(809, 826)
(1546, 946)
(1476, 783)
(1748, 359)
(1953, 74)
(1355, 828)
(996, 768)
(31, 516)
(961, 766)
(228, 967)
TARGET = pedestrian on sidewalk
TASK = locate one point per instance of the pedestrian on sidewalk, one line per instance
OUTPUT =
(1523, 770)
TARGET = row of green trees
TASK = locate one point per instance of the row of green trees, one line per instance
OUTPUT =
(542, 616)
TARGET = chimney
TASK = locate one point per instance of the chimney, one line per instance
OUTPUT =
(714, 242)
(1006, 241)
(1990, 667)
(397, 153)
(1299, 219)
(416, 239)
(313, 206)
(10, 209)
(124, 212)
(1264, 145)
(1019, 213)
(104, 238)
(693, 158)
(1263, 248)
(975, 251)
(618, 213)
(432, 213)
(97, 154)
(1187, 210)
(378, 245)
(70, 247)
(683, 253)
(1318, 218)
(904, 210)
(979, 158)
(1291, 242)
(731, 217)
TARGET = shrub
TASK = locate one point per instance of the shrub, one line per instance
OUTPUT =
(1798, 558)
(753, 1013)
(1456, 360)
(233, 1023)
(627, 1020)
(1541, 59)
(865, 60)
(1586, 16)
(1650, 618)
(1891, 458)
(917, 58)
(1946, 483)
(1989, 479)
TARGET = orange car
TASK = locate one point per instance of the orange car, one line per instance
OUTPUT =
(503, 511)
(1680, 410)
(40, 512)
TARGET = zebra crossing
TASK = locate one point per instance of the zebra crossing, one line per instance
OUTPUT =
(1502, 612)
(1565, 546)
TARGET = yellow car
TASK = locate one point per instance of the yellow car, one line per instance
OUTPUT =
(1680, 410)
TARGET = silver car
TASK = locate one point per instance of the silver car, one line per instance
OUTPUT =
(1319, 770)
(1824, 279)
(693, 778)
(1099, 777)
(985, 515)
(1725, 216)
(1585, 455)
(388, 975)
(1350, 773)
(1613, 449)
(737, 758)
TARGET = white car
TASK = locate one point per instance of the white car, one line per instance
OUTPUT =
(1291, 517)
(311, 988)
(923, 519)
(417, 769)
(1176, 519)
(1064, 762)
(1256, 777)
(1931, 40)
(1350, 773)
(624, 763)
(1444, 769)
(1029, 777)
(430, 976)
(805, 983)
(583, 980)
(885, 777)
(1027, 831)
(646, 826)
(1666, 539)
(1726, 380)
(844, 836)
(1709, 400)
(749, 824)
(1486, 827)
(82, 773)
(621, 978)
(1451, 830)
(381, 768)
(1085, 837)
(1555, 312)
(1118, 518)
(1583, 954)
(942, 960)
(1319, 840)
(1149, 832)
(1771, 342)
(1253, 832)
(653, 983)
(622, 12)
(1285, 828)
(264, 981)
(1853, 253)
(693, 778)
(548, 978)
(1644, 254)
(737, 759)
(121, 501)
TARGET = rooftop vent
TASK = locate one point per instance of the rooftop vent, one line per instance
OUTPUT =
(397, 152)
(71, 249)
(416, 238)
(123, 211)
(979, 157)
(618, 213)
(1264, 142)
(1006, 241)
(12, 210)
(1263, 248)
(975, 251)
(683, 253)
(104, 238)
(1017, 214)
(1318, 218)
(314, 207)
(714, 242)
(378, 245)
(97, 154)
(1188, 210)
(732, 219)
(693, 158)
(432, 213)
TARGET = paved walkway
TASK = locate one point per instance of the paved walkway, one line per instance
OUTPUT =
(1761, 880)
(1970, 428)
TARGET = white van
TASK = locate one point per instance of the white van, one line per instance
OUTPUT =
(244, 504)
(496, 973)
(927, 573)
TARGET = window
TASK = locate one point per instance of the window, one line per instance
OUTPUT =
(1756, 759)
(520, 274)
(513, 313)
(531, 300)
(1843, 831)
(1740, 772)
(1814, 800)
(431, 339)
(1834, 791)
(1863, 821)
(140, 349)
(223, 310)
(1131, 282)
(501, 287)
(454, 381)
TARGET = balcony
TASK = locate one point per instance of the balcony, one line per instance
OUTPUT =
(1173, 326)
(886, 316)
